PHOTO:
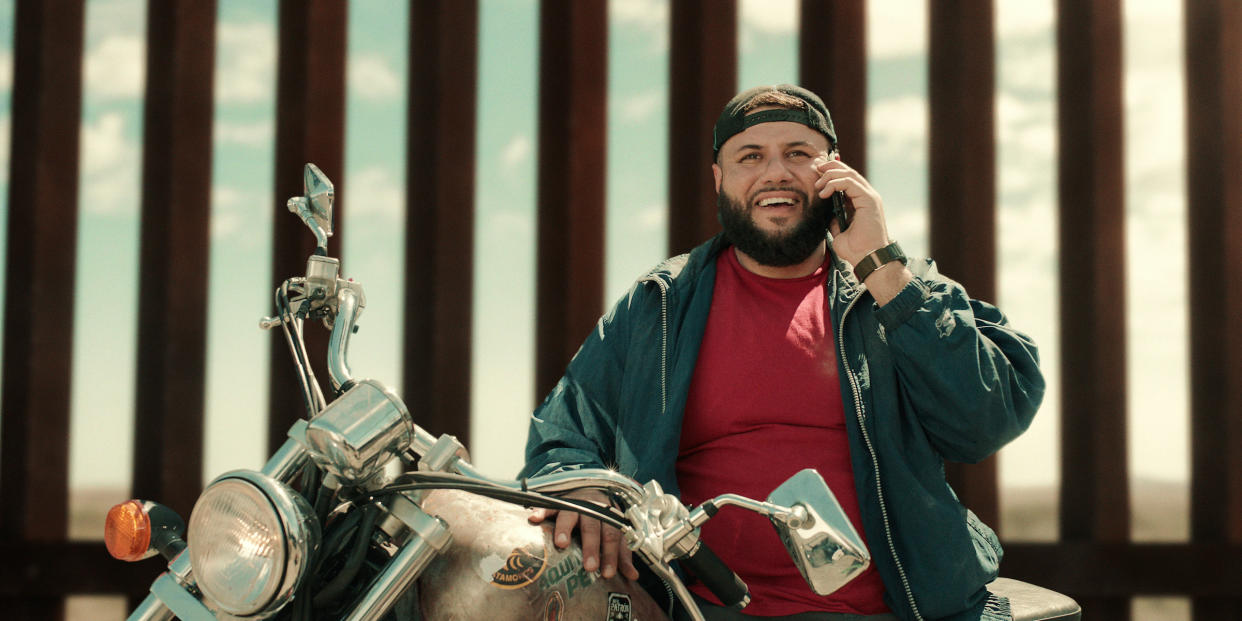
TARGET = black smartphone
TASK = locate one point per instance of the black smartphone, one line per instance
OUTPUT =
(837, 201)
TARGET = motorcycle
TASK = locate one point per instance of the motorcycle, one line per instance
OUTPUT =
(364, 515)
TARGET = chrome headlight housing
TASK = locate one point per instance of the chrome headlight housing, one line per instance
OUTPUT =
(251, 539)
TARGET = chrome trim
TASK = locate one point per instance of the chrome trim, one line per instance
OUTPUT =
(430, 537)
(179, 601)
(152, 609)
(288, 460)
(566, 481)
(349, 306)
(356, 435)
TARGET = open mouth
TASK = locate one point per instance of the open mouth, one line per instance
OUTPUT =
(777, 201)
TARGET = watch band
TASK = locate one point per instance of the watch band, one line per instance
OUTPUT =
(875, 260)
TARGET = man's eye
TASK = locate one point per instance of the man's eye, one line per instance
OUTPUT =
(749, 157)
(798, 154)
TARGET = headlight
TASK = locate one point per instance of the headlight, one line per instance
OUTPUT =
(251, 539)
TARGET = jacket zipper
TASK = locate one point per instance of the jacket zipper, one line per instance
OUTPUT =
(663, 342)
(875, 462)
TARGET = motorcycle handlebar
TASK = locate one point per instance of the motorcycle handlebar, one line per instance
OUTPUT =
(716, 576)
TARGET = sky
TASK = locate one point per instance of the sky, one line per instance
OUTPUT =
(243, 206)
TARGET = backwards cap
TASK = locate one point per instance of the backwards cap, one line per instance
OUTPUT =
(734, 120)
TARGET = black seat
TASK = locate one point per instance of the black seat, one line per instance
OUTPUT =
(1033, 603)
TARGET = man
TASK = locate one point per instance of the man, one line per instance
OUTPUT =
(774, 347)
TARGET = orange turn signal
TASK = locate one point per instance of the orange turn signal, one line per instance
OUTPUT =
(127, 531)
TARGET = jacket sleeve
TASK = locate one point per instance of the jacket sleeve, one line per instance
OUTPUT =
(575, 426)
(973, 381)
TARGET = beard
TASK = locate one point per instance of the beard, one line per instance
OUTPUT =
(780, 249)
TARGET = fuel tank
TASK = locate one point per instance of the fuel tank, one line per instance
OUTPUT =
(500, 567)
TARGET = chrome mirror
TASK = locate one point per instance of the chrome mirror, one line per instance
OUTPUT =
(315, 207)
(824, 545)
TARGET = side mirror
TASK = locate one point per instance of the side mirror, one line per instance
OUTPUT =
(315, 208)
(824, 546)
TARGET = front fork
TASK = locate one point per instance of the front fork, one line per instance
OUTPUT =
(174, 595)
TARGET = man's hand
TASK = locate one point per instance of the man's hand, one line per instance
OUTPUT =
(868, 230)
(596, 538)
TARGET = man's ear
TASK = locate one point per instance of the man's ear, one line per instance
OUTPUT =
(718, 174)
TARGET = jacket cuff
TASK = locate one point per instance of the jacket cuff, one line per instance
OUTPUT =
(900, 308)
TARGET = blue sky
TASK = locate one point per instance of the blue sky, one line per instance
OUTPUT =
(243, 205)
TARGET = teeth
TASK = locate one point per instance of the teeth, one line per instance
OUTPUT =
(773, 201)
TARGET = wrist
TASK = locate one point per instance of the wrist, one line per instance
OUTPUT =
(876, 259)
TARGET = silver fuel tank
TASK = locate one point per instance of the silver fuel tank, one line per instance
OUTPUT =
(500, 567)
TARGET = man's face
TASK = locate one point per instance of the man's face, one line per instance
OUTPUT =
(765, 185)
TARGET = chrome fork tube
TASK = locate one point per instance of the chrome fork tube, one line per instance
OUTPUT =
(151, 609)
(429, 537)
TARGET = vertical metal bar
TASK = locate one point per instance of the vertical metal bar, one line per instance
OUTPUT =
(1213, 32)
(176, 218)
(832, 55)
(38, 307)
(440, 211)
(310, 127)
(702, 78)
(1095, 488)
(963, 182)
(573, 96)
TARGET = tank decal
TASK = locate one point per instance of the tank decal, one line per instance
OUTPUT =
(523, 567)
(619, 608)
(555, 607)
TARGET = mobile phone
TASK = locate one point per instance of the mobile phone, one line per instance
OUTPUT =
(837, 201)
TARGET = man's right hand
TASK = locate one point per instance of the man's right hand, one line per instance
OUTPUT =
(597, 539)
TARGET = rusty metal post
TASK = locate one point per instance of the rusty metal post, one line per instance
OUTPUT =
(176, 224)
(573, 97)
(310, 127)
(38, 305)
(962, 79)
(702, 78)
(832, 54)
(1213, 32)
(1095, 487)
(440, 212)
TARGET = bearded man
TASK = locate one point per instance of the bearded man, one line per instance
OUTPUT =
(800, 337)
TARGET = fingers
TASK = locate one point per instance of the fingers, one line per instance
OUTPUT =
(589, 529)
(611, 541)
(565, 522)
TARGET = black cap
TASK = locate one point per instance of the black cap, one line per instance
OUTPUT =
(734, 120)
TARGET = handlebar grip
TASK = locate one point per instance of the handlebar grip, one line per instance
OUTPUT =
(716, 576)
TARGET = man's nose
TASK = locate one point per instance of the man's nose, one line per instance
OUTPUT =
(777, 171)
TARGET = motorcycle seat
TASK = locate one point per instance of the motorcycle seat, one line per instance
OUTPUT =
(1034, 603)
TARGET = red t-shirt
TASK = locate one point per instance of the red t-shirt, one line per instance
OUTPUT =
(765, 402)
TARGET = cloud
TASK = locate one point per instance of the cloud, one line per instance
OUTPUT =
(255, 134)
(769, 16)
(897, 129)
(652, 218)
(638, 109)
(375, 191)
(896, 28)
(115, 68)
(647, 14)
(110, 167)
(515, 153)
(6, 70)
(371, 77)
(245, 62)
(650, 17)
